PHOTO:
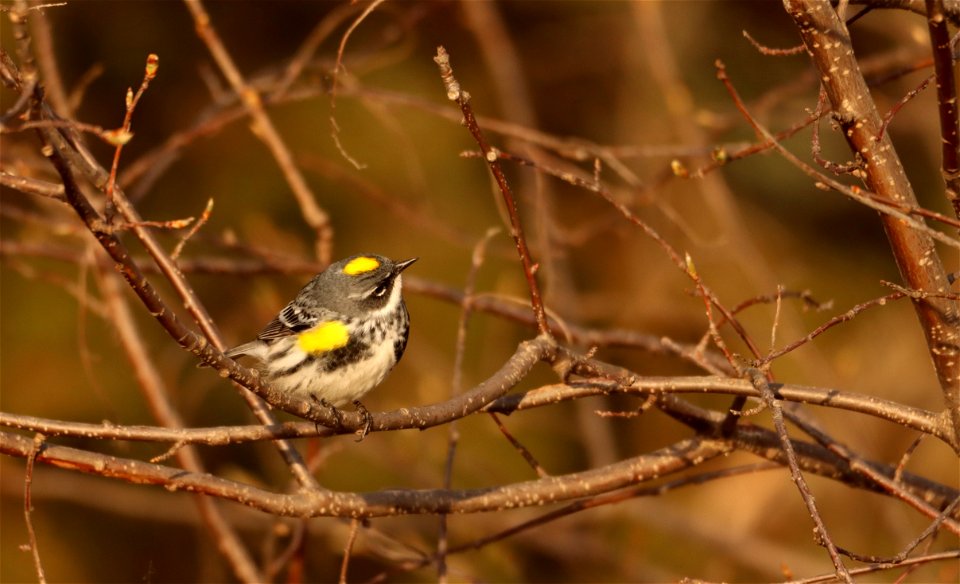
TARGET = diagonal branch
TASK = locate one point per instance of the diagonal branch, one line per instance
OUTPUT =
(820, 534)
(60, 153)
(67, 152)
(313, 214)
(462, 98)
(946, 99)
(829, 45)
(158, 398)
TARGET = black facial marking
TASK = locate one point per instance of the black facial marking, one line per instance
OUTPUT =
(382, 289)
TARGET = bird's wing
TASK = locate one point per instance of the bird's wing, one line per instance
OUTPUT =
(291, 320)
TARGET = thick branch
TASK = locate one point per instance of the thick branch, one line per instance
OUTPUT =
(669, 460)
(628, 472)
(902, 415)
(946, 100)
(828, 42)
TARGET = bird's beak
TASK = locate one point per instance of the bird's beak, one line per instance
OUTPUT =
(401, 266)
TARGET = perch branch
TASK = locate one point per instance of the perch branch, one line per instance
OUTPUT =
(914, 418)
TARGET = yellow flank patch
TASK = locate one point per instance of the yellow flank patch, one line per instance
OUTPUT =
(325, 337)
(360, 265)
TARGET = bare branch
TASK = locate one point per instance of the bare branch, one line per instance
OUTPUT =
(684, 454)
(626, 383)
(38, 443)
(313, 214)
(946, 71)
(828, 42)
(462, 98)
(157, 395)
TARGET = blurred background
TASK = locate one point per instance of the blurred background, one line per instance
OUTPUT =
(561, 83)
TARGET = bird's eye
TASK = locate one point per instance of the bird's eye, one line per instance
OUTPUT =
(381, 289)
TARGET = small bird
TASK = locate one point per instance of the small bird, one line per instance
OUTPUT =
(340, 336)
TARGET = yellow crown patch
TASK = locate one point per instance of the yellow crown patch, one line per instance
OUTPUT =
(325, 337)
(360, 265)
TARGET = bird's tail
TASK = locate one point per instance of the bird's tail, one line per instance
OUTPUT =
(251, 348)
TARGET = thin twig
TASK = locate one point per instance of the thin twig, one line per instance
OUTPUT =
(313, 214)
(854, 168)
(735, 411)
(860, 466)
(888, 117)
(25, 184)
(112, 137)
(456, 386)
(462, 98)
(76, 95)
(917, 561)
(523, 450)
(69, 286)
(723, 156)
(294, 546)
(776, 318)
(442, 542)
(902, 464)
(348, 549)
(309, 47)
(204, 217)
(897, 209)
(43, 49)
(841, 318)
(760, 382)
(124, 135)
(337, 67)
(38, 443)
(708, 309)
(765, 50)
(805, 297)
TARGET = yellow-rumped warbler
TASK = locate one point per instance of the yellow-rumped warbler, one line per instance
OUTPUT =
(340, 336)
